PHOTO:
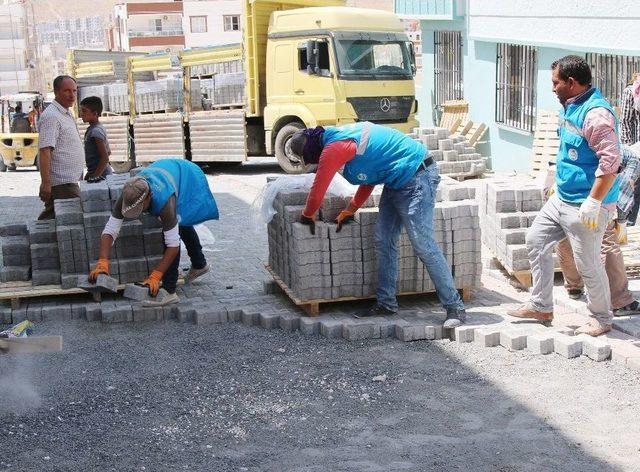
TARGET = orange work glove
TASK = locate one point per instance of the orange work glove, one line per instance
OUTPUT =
(346, 215)
(102, 267)
(153, 282)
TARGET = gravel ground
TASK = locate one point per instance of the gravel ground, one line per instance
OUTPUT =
(179, 397)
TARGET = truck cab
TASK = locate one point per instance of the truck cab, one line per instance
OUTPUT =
(334, 65)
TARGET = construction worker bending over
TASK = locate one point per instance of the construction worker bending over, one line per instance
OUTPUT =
(372, 154)
(177, 192)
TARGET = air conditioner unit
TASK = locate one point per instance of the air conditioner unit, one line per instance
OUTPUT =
(165, 17)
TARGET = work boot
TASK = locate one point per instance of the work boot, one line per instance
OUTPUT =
(375, 310)
(575, 293)
(632, 308)
(193, 274)
(528, 311)
(455, 317)
(593, 328)
(168, 299)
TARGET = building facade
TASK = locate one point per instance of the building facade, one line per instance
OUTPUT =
(14, 57)
(497, 56)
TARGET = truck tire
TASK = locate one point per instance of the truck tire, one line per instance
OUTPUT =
(3, 166)
(289, 163)
(37, 163)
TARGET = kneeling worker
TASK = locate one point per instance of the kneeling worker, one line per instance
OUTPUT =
(372, 154)
(177, 192)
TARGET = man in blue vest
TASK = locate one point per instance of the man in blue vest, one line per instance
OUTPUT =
(176, 191)
(372, 154)
(585, 202)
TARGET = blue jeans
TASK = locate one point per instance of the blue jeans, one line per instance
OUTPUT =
(412, 207)
(191, 241)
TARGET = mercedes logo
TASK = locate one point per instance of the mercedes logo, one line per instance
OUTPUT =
(385, 104)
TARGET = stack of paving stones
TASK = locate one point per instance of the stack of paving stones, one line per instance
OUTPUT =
(332, 265)
(508, 208)
(455, 156)
(16, 253)
(56, 252)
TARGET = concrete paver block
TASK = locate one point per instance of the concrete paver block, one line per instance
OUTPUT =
(289, 321)
(513, 340)
(270, 320)
(463, 334)
(309, 326)
(355, 331)
(594, 348)
(567, 346)
(540, 343)
(141, 293)
(104, 283)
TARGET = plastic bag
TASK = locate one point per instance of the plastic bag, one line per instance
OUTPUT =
(262, 207)
(21, 330)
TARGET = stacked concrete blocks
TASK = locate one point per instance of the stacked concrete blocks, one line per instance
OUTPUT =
(454, 155)
(16, 253)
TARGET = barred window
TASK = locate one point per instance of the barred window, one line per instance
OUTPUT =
(612, 73)
(516, 70)
(447, 72)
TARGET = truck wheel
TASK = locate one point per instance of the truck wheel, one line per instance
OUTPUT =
(3, 166)
(288, 161)
(121, 167)
(37, 163)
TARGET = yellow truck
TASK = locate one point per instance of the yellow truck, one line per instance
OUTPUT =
(303, 63)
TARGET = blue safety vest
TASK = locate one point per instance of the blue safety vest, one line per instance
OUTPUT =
(185, 180)
(383, 155)
(577, 162)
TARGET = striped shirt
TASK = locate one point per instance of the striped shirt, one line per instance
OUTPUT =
(629, 118)
(628, 177)
(58, 130)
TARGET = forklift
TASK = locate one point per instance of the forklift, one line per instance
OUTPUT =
(18, 131)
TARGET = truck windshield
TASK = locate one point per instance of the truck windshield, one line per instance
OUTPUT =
(373, 58)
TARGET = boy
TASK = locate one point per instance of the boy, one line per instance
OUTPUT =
(96, 145)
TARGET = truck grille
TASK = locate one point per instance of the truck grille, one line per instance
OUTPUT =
(382, 109)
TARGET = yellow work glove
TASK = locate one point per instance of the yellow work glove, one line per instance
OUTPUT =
(102, 267)
(621, 231)
(346, 215)
(153, 282)
(589, 212)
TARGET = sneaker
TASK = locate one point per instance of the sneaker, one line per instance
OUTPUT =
(631, 308)
(575, 293)
(594, 328)
(527, 311)
(193, 274)
(168, 299)
(455, 318)
(375, 310)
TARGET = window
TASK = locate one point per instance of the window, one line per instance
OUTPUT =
(448, 66)
(231, 22)
(198, 24)
(158, 24)
(611, 74)
(516, 70)
(323, 57)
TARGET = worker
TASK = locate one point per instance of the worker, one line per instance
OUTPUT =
(19, 121)
(176, 191)
(372, 154)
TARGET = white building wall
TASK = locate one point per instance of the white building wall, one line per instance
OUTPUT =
(608, 26)
(214, 11)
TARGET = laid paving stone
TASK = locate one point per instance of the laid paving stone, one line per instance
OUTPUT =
(634, 363)
(594, 348)
(93, 312)
(487, 337)
(187, 313)
(57, 312)
(624, 352)
(212, 314)
(567, 346)
(309, 326)
(117, 314)
(143, 313)
(463, 334)
(356, 331)
(250, 317)
(270, 320)
(513, 340)
(540, 343)
(289, 322)
(331, 328)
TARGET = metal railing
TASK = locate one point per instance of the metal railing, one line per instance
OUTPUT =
(447, 72)
(153, 33)
(612, 73)
(516, 70)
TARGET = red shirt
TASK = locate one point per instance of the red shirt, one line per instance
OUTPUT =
(334, 156)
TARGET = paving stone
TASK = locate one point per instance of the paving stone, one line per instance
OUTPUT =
(5, 315)
(57, 312)
(186, 313)
(141, 293)
(355, 331)
(463, 334)
(331, 328)
(116, 313)
(309, 325)
(270, 320)
(143, 313)
(513, 340)
(594, 348)
(13, 229)
(540, 343)
(211, 314)
(34, 312)
(45, 277)
(15, 274)
(622, 353)
(289, 322)
(250, 317)
(567, 346)
(104, 283)
(93, 312)
(634, 363)
(19, 315)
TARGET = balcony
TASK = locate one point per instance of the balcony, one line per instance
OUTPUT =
(430, 9)
(155, 34)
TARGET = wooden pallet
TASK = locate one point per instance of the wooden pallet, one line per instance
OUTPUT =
(312, 307)
(631, 252)
(545, 142)
(453, 113)
(523, 277)
(465, 176)
(16, 291)
(31, 344)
